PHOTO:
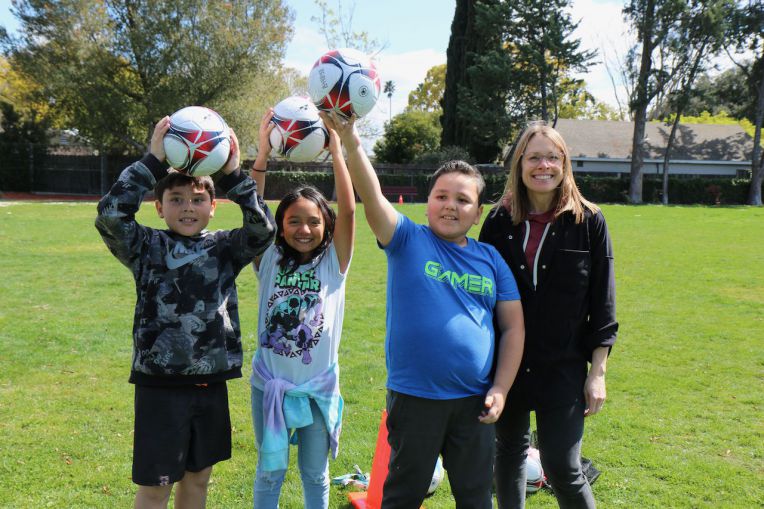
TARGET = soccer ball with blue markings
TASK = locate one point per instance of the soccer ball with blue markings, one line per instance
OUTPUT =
(198, 141)
(299, 135)
(346, 81)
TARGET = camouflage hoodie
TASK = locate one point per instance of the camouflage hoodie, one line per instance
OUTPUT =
(186, 322)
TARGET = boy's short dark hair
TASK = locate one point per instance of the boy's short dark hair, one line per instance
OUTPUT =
(180, 179)
(463, 167)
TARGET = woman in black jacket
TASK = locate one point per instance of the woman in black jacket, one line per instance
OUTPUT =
(558, 247)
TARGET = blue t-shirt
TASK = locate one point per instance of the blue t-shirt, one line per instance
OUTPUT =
(440, 303)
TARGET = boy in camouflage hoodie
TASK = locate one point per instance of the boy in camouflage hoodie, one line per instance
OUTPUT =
(186, 335)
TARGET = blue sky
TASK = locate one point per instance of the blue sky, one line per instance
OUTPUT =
(416, 34)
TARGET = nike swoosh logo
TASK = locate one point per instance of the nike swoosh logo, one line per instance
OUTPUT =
(174, 262)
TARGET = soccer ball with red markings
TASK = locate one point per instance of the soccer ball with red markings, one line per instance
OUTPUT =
(198, 141)
(534, 472)
(299, 135)
(344, 80)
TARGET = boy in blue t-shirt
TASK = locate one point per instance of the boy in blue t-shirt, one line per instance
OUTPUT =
(443, 289)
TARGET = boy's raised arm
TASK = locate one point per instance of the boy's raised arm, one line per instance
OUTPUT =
(116, 210)
(380, 214)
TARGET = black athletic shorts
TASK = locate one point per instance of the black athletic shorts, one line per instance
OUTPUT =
(179, 429)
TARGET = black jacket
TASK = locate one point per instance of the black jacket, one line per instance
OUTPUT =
(569, 310)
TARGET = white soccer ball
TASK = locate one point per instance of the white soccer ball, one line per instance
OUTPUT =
(534, 474)
(437, 477)
(299, 135)
(198, 141)
(344, 80)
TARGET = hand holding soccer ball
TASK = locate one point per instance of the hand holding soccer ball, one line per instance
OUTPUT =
(157, 139)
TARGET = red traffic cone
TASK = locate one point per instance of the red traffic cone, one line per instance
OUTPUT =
(400, 199)
(373, 498)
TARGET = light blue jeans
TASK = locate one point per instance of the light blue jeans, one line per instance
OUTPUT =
(312, 459)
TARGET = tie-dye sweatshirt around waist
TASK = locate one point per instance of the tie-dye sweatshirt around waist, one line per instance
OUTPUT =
(287, 406)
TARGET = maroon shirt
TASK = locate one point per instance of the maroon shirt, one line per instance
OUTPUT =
(537, 222)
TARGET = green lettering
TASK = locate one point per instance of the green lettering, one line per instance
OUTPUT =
(432, 269)
(462, 280)
(487, 288)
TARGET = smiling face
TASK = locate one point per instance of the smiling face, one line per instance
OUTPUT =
(186, 209)
(453, 207)
(303, 227)
(542, 168)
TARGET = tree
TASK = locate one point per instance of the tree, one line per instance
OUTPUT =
(407, 136)
(653, 21)
(428, 95)
(539, 34)
(21, 141)
(113, 67)
(24, 95)
(505, 64)
(576, 102)
(479, 109)
(389, 90)
(749, 35)
(337, 29)
(702, 32)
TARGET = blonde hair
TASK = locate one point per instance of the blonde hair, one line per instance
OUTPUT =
(567, 197)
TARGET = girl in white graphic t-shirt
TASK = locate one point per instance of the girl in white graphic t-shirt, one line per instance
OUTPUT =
(295, 377)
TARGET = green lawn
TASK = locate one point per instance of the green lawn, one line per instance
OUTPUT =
(683, 425)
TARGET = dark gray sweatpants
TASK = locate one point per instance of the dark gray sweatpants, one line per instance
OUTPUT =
(418, 430)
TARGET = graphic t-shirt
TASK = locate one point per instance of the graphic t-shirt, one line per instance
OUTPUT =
(300, 317)
(440, 303)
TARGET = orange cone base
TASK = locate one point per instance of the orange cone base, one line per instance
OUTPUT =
(358, 499)
(373, 498)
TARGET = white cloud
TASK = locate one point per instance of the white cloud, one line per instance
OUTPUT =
(601, 28)
(306, 46)
(407, 70)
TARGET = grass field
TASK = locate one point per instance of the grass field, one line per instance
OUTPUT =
(683, 425)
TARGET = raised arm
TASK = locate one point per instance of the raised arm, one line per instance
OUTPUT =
(344, 228)
(263, 151)
(116, 210)
(258, 228)
(509, 315)
(380, 214)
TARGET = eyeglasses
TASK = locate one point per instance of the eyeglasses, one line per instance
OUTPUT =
(553, 159)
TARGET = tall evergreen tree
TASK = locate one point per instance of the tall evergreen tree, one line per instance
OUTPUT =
(539, 38)
(506, 63)
(462, 28)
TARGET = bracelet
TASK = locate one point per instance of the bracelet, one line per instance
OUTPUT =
(258, 171)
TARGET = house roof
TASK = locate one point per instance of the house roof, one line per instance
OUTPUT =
(611, 139)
